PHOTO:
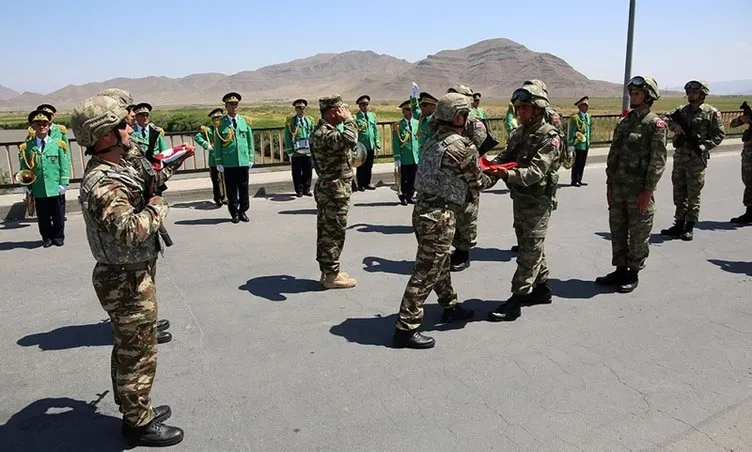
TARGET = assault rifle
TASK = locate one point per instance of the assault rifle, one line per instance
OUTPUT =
(748, 113)
(490, 142)
(746, 109)
(151, 185)
(692, 140)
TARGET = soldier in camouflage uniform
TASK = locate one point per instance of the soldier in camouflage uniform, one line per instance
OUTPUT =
(448, 178)
(331, 152)
(746, 217)
(635, 163)
(121, 228)
(690, 157)
(467, 221)
(535, 146)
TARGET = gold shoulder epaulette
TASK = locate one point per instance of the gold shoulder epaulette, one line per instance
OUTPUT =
(204, 129)
(63, 145)
(161, 131)
(63, 129)
(22, 147)
(248, 119)
(289, 119)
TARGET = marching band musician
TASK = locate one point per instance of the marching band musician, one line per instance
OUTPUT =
(298, 130)
(406, 152)
(205, 138)
(580, 130)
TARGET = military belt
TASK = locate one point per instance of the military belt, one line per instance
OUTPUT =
(132, 267)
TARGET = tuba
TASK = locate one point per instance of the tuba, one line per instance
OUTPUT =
(358, 155)
(27, 177)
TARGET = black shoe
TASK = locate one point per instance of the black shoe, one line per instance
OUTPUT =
(244, 218)
(456, 313)
(163, 337)
(459, 260)
(412, 339)
(541, 294)
(163, 324)
(583, 183)
(58, 242)
(403, 201)
(46, 243)
(509, 310)
(218, 203)
(361, 188)
(161, 414)
(410, 200)
(630, 282)
(745, 218)
(614, 278)
(676, 230)
(153, 434)
(308, 193)
(298, 194)
(235, 219)
(515, 249)
(370, 187)
(687, 234)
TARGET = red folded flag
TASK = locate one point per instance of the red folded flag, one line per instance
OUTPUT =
(170, 155)
(485, 165)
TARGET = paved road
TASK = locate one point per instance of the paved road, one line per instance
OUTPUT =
(262, 359)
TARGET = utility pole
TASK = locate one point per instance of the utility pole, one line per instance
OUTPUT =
(628, 63)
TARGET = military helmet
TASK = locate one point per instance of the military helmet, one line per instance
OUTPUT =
(698, 84)
(648, 84)
(118, 94)
(358, 155)
(95, 117)
(530, 94)
(461, 89)
(450, 105)
(537, 83)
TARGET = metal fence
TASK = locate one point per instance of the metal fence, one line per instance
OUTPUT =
(269, 143)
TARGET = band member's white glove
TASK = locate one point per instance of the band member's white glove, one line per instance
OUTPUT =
(61, 189)
(220, 168)
(27, 190)
(250, 165)
(415, 90)
(397, 164)
(570, 149)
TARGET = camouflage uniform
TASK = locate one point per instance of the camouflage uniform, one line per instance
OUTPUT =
(448, 178)
(330, 150)
(746, 171)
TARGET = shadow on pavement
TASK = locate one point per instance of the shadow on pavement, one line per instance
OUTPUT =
(274, 287)
(63, 424)
(376, 204)
(203, 221)
(375, 264)
(577, 289)
(387, 229)
(74, 336)
(299, 212)
(198, 205)
(28, 245)
(738, 267)
(717, 226)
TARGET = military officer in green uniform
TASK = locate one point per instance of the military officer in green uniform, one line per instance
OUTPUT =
(58, 132)
(423, 106)
(368, 134)
(205, 138)
(298, 130)
(48, 159)
(476, 109)
(406, 152)
(234, 153)
(143, 127)
(580, 129)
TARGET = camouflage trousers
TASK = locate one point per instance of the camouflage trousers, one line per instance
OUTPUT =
(747, 173)
(128, 295)
(331, 226)
(688, 177)
(630, 230)
(530, 227)
(466, 235)
(434, 228)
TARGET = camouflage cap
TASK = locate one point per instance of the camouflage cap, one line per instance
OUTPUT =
(537, 83)
(331, 102)
(95, 117)
(461, 89)
(119, 94)
(450, 105)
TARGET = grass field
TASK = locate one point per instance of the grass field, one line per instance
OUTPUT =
(273, 115)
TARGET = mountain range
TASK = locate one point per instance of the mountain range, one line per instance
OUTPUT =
(493, 67)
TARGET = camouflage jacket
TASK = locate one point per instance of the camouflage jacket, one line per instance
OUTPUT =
(705, 121)
(475, 130)
(121, 226)
(330, 150)
(637, 156)
(536, 149)
(459, 160)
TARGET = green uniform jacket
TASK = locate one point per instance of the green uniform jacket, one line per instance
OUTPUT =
(140, 137)
(51, 166)
(407, 153)
(478, 113)
(510, 123)
(234, 147)
(297, 129)
(368, 130)
(580, 130)
(205, 139)
(424, 132)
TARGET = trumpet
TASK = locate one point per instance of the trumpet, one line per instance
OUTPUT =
(27, 177)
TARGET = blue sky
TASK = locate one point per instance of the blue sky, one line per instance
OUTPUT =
(94, 41)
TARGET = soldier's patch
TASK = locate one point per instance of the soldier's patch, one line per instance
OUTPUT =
(555, 142)
(661, 124)
(718, 113)
(479, 125)
(555, 119)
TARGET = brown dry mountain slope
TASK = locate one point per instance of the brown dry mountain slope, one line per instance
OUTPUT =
(494, 67)
(7, 93)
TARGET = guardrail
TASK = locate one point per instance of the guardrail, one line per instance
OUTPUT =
(270, 148)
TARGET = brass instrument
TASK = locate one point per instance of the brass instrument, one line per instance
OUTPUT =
(27, 177)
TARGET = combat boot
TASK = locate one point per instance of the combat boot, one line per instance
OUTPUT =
(153, 434)
(630, 282)
(541, 294)
(687, 235)
(456, 313)
(745, 218)
(338, 281)
(459, 260)
(676, 230)
(412, 339)
(163, 324)
(161, 414)
(615, 278)
(510, 310)
(515, 249)
(163, 337)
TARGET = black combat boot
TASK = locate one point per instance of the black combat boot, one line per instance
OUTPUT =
(541, 294)
(412, 339)
(630, 282)
(153, 434)
(614, 278)
(459, 261)
(161, 414)
(687, 235)
(163, 337)
(456, 313)
(509, 310)
(676, 230)
(163, 324)
(745, 218)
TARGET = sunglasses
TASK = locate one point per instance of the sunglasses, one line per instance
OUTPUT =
(693, 85)
(522, 95)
